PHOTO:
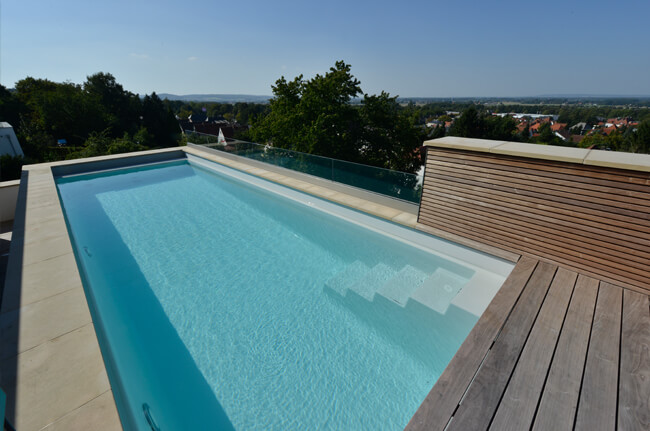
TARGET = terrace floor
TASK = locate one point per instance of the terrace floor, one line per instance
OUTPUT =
(554, 350)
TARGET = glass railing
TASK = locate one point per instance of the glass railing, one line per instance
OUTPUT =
(400, 185)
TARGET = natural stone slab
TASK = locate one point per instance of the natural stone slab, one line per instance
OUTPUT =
(53, 379)
(617, 159)
(40, 214)
(407, 219)
(46, 249)
(97, 414)
(470, 144)
(38, 322)
(47, 229)
(47, 198)
(546, 152)
(40, 280)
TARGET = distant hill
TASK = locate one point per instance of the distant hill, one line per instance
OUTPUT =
(544, 99)
(607, 100)
(221, 98)
(595, 96)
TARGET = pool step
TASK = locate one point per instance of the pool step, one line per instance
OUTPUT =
(435, 292)
(399, 288)
(372, 281)
(342, 281)
(439, 290)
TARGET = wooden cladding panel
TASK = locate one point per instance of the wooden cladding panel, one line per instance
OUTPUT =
(593, 219)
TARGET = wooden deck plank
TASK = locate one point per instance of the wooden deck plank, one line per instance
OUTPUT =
(535, 246)
(547, 177)
(519, 403)
(580, 244)
(482, 398)
(544, 244)
(440, 403)
(509, 241)
(597, 406)
(599, 275)
(634, 383)
(536, 207)
(597, 240)
(635, 180)
(628, 213)
(557, 408)
(480, 246)
(609, 197)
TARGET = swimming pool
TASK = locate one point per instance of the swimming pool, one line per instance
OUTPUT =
(222, 300)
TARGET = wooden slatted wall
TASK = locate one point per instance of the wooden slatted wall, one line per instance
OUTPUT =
(592, 219)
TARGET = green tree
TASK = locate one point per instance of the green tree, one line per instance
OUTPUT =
(316, 116)
(331, 125)
(389, 138)
(597, 141)
(437, 132)
(640, 140)
(470, 124)
(144, 138)
(10, 167)
(124, 145)
(500, 128)
(119, 109)
(524, 135)
(546, 135)
(35, 140)
(96, 145)
(159, 121)
(282, 126)
(60, 110)
(99, 143)
(10, 107)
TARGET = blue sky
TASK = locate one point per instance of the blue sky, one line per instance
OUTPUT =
(410, 48)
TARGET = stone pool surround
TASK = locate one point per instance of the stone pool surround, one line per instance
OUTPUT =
(50, 361)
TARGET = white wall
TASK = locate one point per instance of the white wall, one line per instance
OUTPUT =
(8, 198)
(8, 142)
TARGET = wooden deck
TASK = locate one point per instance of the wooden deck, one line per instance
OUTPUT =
(554, 350)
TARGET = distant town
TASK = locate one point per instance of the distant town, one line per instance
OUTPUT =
(532, 123)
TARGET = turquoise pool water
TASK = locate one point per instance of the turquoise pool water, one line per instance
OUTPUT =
(220, 305)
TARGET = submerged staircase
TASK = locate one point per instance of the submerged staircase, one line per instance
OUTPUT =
(400, 287)
(415, 310)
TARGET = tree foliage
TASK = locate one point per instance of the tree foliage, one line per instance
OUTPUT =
(624, 139)
(10, 107)
(44, 112)
(482, 125)
(316, 116)
(242, 112)
(98, 143)
(390, 138)
(470, 124)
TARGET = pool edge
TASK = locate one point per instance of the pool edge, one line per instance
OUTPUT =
(39, 214)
